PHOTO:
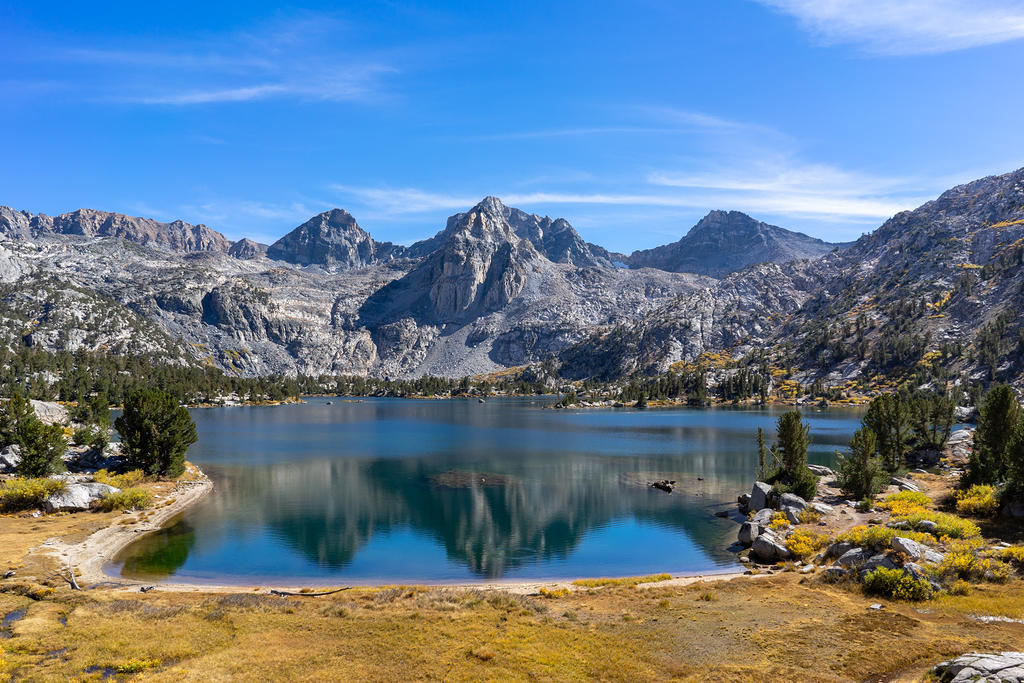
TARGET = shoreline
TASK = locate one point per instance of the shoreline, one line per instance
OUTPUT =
(89, 557)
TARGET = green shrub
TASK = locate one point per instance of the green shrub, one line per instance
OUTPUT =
(93, 436)
(981, 500)
(804, 484)
(896, 584)
(22, 494)
(128, 499)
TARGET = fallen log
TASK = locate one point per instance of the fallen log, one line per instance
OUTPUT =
(307, 595)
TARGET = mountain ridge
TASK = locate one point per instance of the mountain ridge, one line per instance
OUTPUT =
(931, 289)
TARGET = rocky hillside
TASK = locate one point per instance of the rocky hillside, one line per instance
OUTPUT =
(935, 291)
(496, 288)
(726, 241)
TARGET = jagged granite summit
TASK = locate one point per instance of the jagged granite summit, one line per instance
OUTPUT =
(176, 236)
(333, 239)
(726, 241)
(498, 287)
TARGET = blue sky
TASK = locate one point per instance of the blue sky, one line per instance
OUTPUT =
(630, 119)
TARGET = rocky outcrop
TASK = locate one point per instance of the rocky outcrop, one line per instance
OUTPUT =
(247, 249)
(50, 412)
(10, 457)
(724, 242)
(332, 239)
(976, 666)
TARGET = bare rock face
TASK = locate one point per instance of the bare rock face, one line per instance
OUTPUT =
(247, 249)
(176, 236)
(332, 239)
(724, 242)
(499, 287)
(478, 266)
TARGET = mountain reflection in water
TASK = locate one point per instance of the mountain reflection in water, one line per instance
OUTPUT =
(456, 490)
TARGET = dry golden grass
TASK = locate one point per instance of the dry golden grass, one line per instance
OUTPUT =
(782, 628)
(621, 581)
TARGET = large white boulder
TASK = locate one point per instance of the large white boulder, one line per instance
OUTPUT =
(9, 459)
(77, 497)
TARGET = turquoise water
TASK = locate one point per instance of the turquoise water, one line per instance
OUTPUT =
(392, 490)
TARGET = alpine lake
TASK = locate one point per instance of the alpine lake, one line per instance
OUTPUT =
(457, 491)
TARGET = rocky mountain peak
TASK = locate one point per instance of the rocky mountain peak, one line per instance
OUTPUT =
(176, 236)
(726, 241)
(247, 249)
(333, 239)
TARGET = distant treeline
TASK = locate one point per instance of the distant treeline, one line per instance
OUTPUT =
(67, 376)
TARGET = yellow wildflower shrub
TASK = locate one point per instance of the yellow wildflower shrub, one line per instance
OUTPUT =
(946, 524)
(22, 494)
(905, 502)
(1014, 556)
(896, 584)
(803, 542)
(879, 538)
(779, 521)
(978, 501)
(120, 481)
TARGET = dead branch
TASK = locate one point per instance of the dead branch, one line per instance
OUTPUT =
(67, 575)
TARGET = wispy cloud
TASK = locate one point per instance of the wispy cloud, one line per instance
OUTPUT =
(790, 186)
(685, 193)
(303, 57)
(908, 27)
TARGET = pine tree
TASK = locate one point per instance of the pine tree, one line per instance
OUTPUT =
(999, 421)
(932, 418)
(793, 438)
(861, 473)
(16, 410)
(42, 447)
(155, 433)
(888, 416)
(762, 456)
